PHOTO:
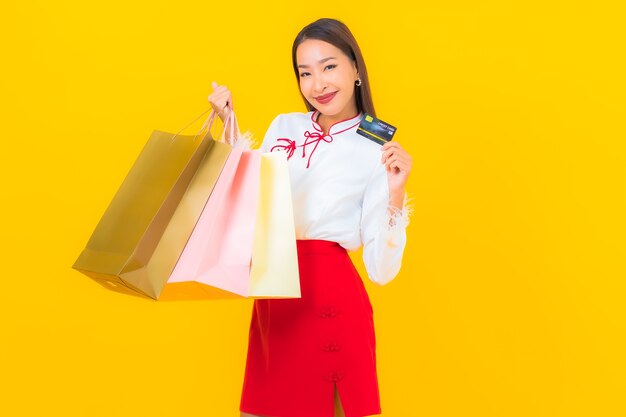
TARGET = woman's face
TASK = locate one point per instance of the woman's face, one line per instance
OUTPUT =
(326, 72)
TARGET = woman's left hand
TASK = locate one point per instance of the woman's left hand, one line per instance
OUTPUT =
(398, 164)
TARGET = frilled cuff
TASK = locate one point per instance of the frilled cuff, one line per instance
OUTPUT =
(245, 140)
(395, 222)
(399, 218)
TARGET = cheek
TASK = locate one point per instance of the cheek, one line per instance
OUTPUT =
(339, 79)
(347, 79)
(304, 86)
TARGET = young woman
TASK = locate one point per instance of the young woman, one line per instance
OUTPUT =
(315, 356)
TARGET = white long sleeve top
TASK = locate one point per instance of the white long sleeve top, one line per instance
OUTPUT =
(339, 189)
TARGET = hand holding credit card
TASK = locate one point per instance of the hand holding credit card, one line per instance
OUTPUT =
(375, 129)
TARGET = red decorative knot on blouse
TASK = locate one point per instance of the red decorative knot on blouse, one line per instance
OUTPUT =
(290, 147)
(310, 138)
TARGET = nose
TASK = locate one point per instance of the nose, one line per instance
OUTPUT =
(319, 83)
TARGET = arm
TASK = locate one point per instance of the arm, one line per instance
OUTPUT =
(384, 218)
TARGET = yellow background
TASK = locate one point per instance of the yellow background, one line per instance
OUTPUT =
(510, 301)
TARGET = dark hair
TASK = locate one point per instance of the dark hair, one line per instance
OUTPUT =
(337, 33)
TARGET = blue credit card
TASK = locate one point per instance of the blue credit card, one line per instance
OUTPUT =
(375, 129)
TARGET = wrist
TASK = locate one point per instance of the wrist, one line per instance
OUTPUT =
(396, 194)
(396, 200)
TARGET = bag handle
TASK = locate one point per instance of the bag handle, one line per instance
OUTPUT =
(234, 127)
(208, 123)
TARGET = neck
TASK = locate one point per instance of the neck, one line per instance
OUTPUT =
(326, 121)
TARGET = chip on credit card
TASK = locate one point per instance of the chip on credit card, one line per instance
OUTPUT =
(375, 129)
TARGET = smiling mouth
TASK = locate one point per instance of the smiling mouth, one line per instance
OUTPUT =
(325, 97)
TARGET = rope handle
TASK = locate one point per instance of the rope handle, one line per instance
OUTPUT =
(231, 120)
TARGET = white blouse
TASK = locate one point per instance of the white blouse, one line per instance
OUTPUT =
(339, 189)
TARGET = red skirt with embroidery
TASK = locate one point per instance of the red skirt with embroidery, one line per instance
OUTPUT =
(299, 349)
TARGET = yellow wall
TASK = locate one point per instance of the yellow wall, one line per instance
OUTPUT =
(511, 297)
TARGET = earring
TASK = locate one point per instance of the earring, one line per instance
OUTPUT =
(358, 82)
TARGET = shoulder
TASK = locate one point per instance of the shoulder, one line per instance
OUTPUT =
(292, 118)
(285, 125)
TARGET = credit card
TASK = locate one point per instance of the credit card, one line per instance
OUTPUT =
(375, 129)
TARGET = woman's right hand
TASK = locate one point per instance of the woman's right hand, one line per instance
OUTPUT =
(221, 100)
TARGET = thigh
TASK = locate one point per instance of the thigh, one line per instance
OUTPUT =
(338, 407)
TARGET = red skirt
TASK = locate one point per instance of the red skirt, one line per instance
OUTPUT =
(299, 349)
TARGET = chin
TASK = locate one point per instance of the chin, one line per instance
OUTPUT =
(330, 110)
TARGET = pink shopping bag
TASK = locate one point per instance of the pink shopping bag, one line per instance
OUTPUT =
(216, 260)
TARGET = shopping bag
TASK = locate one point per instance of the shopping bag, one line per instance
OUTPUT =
(219, 250)
(144, 216)
(274, 272)
(217, 259)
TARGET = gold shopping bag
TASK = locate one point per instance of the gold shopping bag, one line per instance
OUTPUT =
(172, 170)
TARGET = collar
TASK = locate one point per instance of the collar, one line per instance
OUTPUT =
(337, 127)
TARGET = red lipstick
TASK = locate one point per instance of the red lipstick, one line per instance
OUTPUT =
(325, 98)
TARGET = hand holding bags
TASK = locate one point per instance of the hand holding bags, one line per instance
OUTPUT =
(119, 254)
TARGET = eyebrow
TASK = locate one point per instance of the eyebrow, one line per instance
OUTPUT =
(320, 62)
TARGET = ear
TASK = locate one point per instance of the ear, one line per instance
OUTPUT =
(355, 67)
